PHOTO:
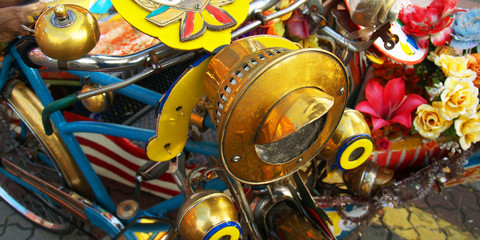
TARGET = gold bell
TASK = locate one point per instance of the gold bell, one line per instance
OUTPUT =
(366, 179)
(351, 143)
(208, 214)
(66, 32)
(97, 103)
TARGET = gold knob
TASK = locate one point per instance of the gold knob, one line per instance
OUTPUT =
(60, 12)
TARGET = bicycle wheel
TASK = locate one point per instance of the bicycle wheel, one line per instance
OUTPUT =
(20, 145)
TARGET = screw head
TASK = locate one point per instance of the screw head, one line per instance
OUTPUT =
(235, 159)
(341, 91)
(299, 160)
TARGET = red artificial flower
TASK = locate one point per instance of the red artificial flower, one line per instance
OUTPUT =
(390, 104)
(383, 144)
(297, 25)
(430, 21)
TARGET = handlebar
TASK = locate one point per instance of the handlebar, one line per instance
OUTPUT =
(108, 63)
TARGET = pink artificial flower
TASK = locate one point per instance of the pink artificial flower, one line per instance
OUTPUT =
(297, 25)
(390, 104)
(432, 21)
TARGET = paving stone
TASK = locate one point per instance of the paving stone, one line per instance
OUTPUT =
(14, 232)
(461, 197)
(396, 218)
(454, 217)
(419, 218)
(396, 237)
(40, 234)
(472, 220)
(439, 200)
(378, 233)
(409, 234)
(20, 220)
(430, 234)
(422, 204)
(453, 233)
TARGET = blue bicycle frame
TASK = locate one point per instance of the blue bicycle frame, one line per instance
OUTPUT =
(67, 130)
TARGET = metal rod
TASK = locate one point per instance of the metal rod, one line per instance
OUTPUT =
(116, 86)
(145, 73)
(138, 115)
(239, 196)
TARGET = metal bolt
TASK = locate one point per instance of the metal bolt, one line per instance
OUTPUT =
(299, 160)
(341, 91)
(197, 6)
(235, 159)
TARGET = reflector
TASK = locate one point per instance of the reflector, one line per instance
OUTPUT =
(274, 106)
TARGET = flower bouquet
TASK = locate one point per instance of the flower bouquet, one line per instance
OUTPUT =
(430, 109)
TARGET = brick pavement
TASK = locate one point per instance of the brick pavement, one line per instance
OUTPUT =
(452, 214)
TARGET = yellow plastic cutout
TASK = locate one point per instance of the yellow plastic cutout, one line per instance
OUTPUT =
(173, 120)
(183, 24)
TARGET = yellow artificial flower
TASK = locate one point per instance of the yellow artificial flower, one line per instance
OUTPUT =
(429, 123)
(460, 98)
(432, 55)
(311, 42)
(468, 129)
(455, 67)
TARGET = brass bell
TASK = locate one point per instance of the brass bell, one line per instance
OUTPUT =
(97, 103)
(351, 143)
(208, 214)
(366, 179)
(66, 32)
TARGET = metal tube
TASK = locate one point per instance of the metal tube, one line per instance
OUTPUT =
(344, 42)
(116, 86)
(104, 63)
(137, 77)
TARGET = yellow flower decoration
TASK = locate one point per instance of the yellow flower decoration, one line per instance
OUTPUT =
(429, 123)
(185, 24)
(455, 67)
(468, 129)
(460, 98)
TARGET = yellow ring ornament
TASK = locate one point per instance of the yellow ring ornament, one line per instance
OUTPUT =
(185, 25)
(233, 232)
(365, 144)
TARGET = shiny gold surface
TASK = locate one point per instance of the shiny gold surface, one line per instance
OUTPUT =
(203, 211)
(127, 209)
(29, 108)
(294, 111)
(246, 80)
(364, 180)
(352, 124)
(60, 11)
(68, 33)
(97, 103)
(290, 225)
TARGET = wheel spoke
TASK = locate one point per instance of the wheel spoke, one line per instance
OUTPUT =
(25, 153)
